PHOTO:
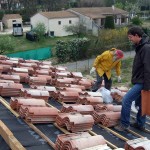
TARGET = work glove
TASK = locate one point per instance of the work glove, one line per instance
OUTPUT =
(119, 79)
(92, 70)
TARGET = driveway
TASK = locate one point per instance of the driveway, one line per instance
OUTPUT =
(9, 31)
(87, 64)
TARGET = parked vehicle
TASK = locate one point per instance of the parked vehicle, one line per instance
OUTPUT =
(17, 29)
(32, 36)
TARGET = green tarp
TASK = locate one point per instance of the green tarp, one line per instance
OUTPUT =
(36, 54)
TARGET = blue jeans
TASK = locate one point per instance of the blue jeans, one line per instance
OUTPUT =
(97, 85)
(134, 94)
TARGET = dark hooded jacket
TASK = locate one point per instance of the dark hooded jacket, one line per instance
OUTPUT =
(141, 64)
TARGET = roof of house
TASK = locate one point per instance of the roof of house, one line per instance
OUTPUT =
(99, 12)
(58, 14)
(12, 16)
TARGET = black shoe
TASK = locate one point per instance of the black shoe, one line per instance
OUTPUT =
(135, 125)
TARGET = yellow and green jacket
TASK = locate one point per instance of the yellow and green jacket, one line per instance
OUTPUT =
(104, 63)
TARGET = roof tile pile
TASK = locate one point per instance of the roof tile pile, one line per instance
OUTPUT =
(77, 75)
(85, 82)
(50, 89)
(37, 81)
(107, 107)
(107, 118)
(75, 122)
(138, 144)
(35, 93)
(38, 114)
(78, 141)
(67, 96)
(90, 100)
(15, 78)
(10, 89)
(62, 74)
(117, 94)
(16, 102)
(23, 76)
(61, 82)
(83, 109)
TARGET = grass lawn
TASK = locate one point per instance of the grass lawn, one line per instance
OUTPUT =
(22, 44)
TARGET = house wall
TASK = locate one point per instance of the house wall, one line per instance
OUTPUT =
(58, 29)
(52, 25)
(38, 18)
(8, 22)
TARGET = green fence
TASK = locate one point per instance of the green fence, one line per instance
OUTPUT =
(36, 54)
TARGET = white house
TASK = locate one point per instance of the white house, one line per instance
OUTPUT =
(93, 18)
(55, 21)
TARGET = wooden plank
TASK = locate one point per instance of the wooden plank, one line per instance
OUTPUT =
(9, 138)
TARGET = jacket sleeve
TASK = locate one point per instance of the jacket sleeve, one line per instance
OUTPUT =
(118, 66)
(98, 60)
(146, 62)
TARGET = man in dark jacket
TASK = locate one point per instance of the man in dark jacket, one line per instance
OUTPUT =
(140, 79)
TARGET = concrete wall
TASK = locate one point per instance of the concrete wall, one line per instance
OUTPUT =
(59, 29)
(8, 22)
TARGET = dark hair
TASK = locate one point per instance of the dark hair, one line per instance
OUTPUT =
(136, 30)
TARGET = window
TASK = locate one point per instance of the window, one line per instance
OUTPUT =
(70, 21)
(59, 22)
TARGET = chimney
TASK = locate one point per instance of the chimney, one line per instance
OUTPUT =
(113, 7)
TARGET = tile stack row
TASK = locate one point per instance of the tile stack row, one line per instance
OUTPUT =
(138, 144)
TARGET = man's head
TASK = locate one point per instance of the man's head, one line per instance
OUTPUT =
(118, 54)
(135, 34)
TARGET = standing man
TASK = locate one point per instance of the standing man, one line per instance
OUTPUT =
(103, 65)
(140, 79)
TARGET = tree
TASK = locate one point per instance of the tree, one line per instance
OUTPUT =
(40, 30)
(136, 21)
(6, 44)
(109, 22)
(75, 29)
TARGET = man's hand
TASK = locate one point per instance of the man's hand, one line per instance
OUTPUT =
(119, 79)
(92, 70)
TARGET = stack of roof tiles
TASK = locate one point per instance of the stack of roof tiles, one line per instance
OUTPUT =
(37, 81)
(78, 141)
(138, 144)
(83, 109)
(67, 96)
(38, 114)
(90, 100)
(50, 89)
(107, 118)
(15, 78)
(117, 94)
(35, 93)
(108, 107)
(16, 102)
(10, 89)
(75, 122)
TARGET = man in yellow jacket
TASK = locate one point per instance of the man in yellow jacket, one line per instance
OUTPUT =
(103, 65)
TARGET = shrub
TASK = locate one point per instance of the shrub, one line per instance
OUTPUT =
(61, 51)
(136, 21)
(109, 23)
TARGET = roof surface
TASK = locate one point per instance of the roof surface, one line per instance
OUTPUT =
(99, 12)
(58, 14)
(12, 16)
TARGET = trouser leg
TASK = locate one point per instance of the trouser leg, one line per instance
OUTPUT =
(133, 94)
(98, 83)
(108, 82)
